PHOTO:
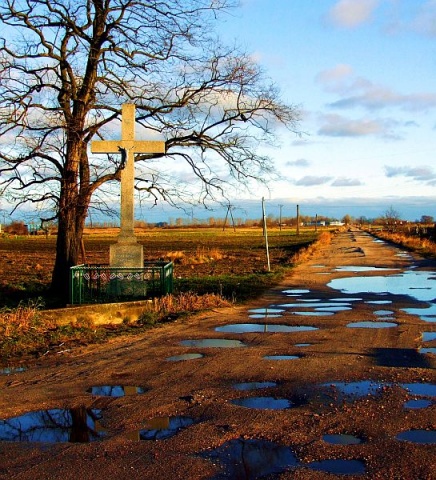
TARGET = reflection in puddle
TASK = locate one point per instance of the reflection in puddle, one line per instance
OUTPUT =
(339, 467)
(332, 309)
(418, 436)
(302, 345)
(56, 425)
(251, 459)
(269, 315)
(315, 305)
(295, 290)
(351, 390)
(263, 327)
(185, 356)
(281, 357)
(253, 385)
(346, 299)
(160, 428)
(213, 343)
(263, 403)
(372, 325)
(342, 439)
(266, 311)
(383, 312)
(417, 404)
(420, 389)
(417, 284)
(428, 351)
(314, 314)
(355, 268)
(428, 336)
(379, 302)
(115, 390)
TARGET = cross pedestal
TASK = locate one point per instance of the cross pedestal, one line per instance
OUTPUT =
(127, 252)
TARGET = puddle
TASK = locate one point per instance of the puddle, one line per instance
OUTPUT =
(315, 305)
(353, 390)
(251, 459)
(302, 345)
(428, 351)
(115, 390)
(338, 466)
(79, 425)
(418, 436)
(213, 343)
(263, 403)
(417, 284)
(269, 315)
(12, 370)
(383, 312)
(160, 428)
(314, 314)
(254, 385)
(379, 302)
(420, 389)
(428, 336)
(416, 404)
(282, 357)
(296, 291)
(266, 311)
(355, 268)
(185, 356)
(372, 325)
(332, 309)
(263, 327)
(342, 439)
(346, 299)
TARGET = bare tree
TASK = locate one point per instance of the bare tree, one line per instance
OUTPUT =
(67, 66)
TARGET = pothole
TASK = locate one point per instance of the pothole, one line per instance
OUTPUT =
(251, 459)
(12, 370)
(263, 327)
(282, 357)
(184, 356)
(417, 404)
(253, 385)
(77, 425)
(342, 439)
(115, 390)
(362, 268)
(428, 336)
(213, 343)
(338, 466)
(369, 324)
(418, 436)
(263, 403)
(160, 428)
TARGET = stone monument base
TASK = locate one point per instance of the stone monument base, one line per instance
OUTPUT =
(126, 253)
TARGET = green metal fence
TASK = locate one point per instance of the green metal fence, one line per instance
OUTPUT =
(105, 284)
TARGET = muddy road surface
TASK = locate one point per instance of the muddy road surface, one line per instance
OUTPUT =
(330, 375)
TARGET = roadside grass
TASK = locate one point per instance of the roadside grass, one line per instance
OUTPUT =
(423, 246)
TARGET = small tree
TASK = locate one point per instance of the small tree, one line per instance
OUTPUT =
(427, 219)
(67, 67)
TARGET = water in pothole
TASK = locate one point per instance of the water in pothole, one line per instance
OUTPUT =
(302, 345)
(115, 390)
(428, 351)
(315, 305)
(427, 314)
(363, 268)
(184, 356)
(263, 327)
(418, 436)
(263, 403)
(372, 324)
(254, 385)
(79, 425)
(428, 336)
(213, 343)
(420, 388)
(296, 291)
(339, 466)
(352, 390)
(282, 357)
(347, 299)
(342, 439)
(269, 315)
(419, 285)
(251, 459)
(379, 302)
(332, 309)
(383, 312)
(160, 428)
(266, 311)
(417, 404)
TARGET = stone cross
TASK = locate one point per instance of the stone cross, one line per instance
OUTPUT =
(127, 252)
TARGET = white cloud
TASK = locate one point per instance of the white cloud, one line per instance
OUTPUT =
(346, 182)
(352, 13)
(338, 126)
(301, 162)
(423, 174)
(312, 180)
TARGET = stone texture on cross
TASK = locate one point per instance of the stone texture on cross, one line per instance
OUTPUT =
(127, 252)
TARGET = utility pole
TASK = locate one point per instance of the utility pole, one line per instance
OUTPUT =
(280, 217)
(298, 219)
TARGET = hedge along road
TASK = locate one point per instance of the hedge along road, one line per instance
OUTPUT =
(349, 389)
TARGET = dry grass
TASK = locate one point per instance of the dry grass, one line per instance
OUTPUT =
(200, 256)
(304, 254)
(421, 245)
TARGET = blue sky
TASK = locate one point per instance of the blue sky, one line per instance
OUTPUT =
(363, 73)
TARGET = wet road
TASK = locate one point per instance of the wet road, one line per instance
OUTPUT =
(331, 373)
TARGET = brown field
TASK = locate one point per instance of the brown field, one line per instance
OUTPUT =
(26, 262)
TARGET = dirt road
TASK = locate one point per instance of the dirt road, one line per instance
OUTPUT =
(337, 397)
